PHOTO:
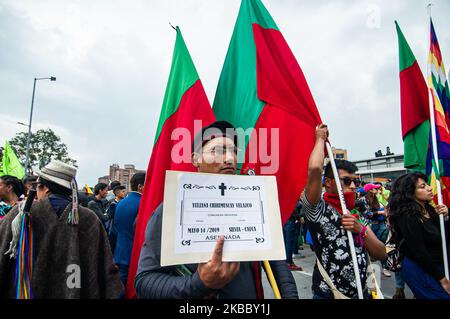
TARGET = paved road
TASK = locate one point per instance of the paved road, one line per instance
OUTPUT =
(303, 279)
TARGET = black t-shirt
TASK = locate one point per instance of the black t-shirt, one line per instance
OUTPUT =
(423, 243)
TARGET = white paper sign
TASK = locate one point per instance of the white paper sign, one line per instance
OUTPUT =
(198, 208)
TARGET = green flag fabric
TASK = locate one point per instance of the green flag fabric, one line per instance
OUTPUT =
(11, 164)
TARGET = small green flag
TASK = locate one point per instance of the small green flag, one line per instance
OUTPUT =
(11, 164)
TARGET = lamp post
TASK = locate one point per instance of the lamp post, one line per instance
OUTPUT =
(27, 156)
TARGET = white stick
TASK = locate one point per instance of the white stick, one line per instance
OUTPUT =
(438, 182)
(436, 158)
(344, 210)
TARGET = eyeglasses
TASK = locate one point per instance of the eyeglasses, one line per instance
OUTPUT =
(348, 181)
(220, 150)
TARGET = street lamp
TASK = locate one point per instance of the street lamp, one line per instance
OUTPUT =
(27, 156)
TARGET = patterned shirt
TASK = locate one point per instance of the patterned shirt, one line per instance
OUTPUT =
(4, 209)
(331, 246)
(370, 214)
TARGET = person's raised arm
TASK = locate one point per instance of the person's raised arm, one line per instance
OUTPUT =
(313, 190)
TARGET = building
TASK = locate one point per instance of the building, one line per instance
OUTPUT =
(339, 153)
(123, 175)
(380, 169)
(104, 179)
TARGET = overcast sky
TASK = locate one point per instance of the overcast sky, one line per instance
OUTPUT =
(112, 61)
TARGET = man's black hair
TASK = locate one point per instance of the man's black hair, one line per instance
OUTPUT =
(17, 185)
(136, 180)
(214, 130)
(118, 188)
(114, 184)
(99, 187)
(55, 188)
(340, 164)
(30, 179)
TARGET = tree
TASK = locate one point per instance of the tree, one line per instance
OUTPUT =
(44, 146)
(1, 159)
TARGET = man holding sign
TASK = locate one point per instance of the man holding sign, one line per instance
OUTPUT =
(212, 153)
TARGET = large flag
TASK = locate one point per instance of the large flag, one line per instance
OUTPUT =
(11, 164)
(184, 102)
(415, 112)
(440, 96)
(262, 87)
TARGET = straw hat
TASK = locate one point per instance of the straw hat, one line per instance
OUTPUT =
(58, 172)
(63, 174)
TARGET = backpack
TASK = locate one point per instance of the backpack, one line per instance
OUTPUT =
(394, 261)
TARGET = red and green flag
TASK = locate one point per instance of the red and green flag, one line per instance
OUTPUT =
(415, 112)
(184, 102)
(262, 87)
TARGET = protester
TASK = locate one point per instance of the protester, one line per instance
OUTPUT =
(383, 194)
(111, 196)
(71, 255)
(124, 222)
(83, 199)
(416, 231)
(303, 230)
(120, 192)
(11, 192)
(376, 214)
(212, 153)
(100, 205)
(329, 226)
(291, 232)
(29, 182)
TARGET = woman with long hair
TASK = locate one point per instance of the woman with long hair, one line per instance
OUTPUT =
(376, 214)
(416, 231)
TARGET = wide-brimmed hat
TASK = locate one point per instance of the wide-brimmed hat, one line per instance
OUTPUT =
(63, 174)
(58, 172)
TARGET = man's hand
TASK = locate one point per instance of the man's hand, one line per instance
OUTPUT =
(321, 132)
(313, 189)
(349, 222)
(215, 274)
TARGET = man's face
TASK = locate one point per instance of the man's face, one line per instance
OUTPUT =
(120, 194)
(103, 192)
(4, 189)
(330, 183)
(42, 192)
(28, 186)
(218, 156)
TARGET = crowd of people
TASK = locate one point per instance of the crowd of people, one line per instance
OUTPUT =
(95, 232)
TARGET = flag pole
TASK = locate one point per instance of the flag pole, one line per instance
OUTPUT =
(435, 156)
(268, 269)
(344, 211)
(273, 282)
